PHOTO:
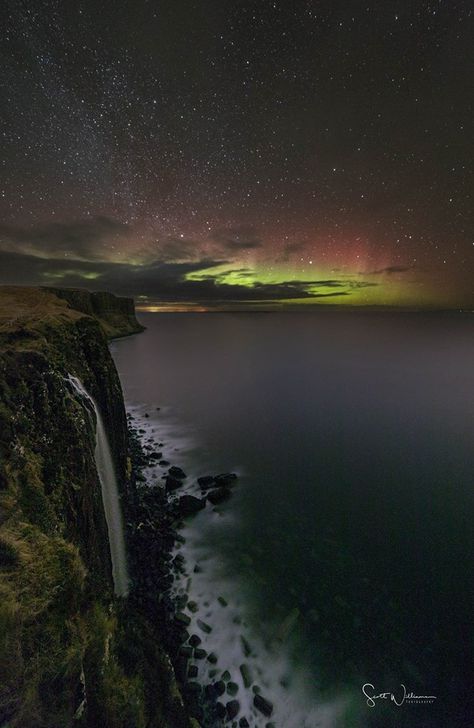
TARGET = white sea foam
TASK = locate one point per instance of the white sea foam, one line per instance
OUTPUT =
(233, 631)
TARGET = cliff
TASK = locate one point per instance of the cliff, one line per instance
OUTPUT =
(71, 654)
(116, 315)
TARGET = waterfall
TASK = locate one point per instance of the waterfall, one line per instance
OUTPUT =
(110, 496)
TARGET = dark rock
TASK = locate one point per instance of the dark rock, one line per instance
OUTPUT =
(243, 723)
(206, 481)
(181, 600)
(182, 636)
(226, 675)
(172, 483)
(193, 607)
(199, 654)
(194, 640)
(189, 504)
(176, 472)
(219, 687)
(222, 601)
(192, 671)
(204, 626)
(220, 710)
(246, 675)
(219, 495)
(232, 688)
(212, 658)
(232, 709)
(210, 691)
(225, 478)
(263, 705)
(197, 569)
(183, 619)
(155, 455)
(163, 463)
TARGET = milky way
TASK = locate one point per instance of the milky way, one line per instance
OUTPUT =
(218, 154)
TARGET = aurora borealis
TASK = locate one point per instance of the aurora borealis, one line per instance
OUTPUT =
(215, 155)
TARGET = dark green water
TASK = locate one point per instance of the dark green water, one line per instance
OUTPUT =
(353, 436)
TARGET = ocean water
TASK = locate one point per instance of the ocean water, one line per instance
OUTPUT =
(345, 554)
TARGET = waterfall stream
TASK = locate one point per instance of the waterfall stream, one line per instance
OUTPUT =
(110, 496)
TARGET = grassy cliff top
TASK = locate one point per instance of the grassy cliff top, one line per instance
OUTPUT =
(22, 306)
(29, 309)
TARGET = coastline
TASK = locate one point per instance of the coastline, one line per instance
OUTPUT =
(155, 540)
(74, 654)
(228, 673)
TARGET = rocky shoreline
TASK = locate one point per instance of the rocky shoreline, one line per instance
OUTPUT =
(74, 653)
(155, 517)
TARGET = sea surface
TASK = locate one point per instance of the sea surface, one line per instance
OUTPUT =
(345, 554)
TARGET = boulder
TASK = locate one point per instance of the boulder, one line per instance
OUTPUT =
(205, 481)
(172, 483)
(232, 709)
(263, 705)
(189, 504)
(204, 626)
(220, 710)
(246, 675)
(182, 619)
(225, 478)
(218, 495)
(176, 472)
(232, 688)
(219, 687)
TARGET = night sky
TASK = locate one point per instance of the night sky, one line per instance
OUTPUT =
(214, 154)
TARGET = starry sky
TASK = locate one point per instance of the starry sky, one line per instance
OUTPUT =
(245, 155)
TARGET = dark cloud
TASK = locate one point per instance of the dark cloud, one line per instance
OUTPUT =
(389, 270)
(166, 281)
(80, 239)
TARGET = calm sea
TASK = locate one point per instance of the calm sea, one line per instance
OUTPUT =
(345, 554)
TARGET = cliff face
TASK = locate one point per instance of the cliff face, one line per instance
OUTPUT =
(63, 650)
(116, 315)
